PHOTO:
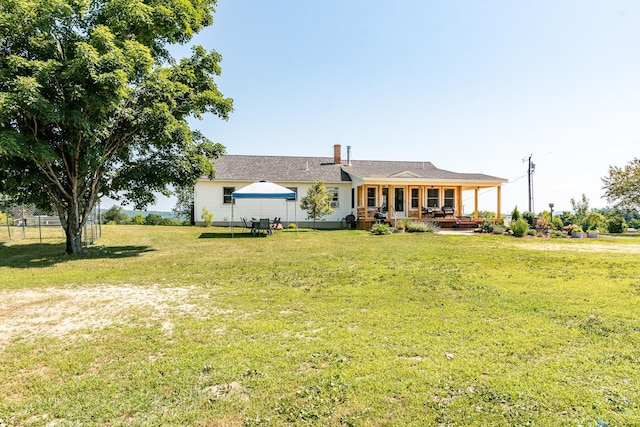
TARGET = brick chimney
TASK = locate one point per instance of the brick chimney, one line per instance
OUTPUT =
(336, 154)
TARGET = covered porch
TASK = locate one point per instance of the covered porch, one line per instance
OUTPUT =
(440, 202)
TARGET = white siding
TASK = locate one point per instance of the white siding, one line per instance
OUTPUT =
(209, 195)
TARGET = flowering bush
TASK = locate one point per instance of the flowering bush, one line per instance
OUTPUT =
(572, 228)
(542, 222)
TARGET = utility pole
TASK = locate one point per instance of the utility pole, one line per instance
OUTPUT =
(532, 168)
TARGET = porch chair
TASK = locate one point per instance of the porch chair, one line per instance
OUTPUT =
(428, 212)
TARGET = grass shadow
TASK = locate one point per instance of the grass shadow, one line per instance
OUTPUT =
(46, 255)
(227, 235)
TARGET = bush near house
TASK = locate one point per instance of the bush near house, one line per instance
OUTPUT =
(207, 217)
(519, 227)
(557, 223)
(515, 214)
(380, 229)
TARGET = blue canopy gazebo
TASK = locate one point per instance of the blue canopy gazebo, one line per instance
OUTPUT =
(263, 190)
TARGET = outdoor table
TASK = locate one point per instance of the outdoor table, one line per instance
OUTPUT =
(258, 226)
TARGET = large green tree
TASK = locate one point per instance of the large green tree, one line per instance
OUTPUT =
(622, 186)
(92, 104)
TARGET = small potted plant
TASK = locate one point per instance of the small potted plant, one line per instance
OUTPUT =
(592, 232)
(576, 232)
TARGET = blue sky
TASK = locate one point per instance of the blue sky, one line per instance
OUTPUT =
(472, 86)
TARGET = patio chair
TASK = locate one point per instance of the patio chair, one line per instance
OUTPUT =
(263, 225)
(448, 210)
(247, 224)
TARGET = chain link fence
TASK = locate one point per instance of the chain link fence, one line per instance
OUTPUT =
(25, 222)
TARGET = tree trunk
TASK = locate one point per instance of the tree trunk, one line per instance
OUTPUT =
(74, 241)
(72, 224)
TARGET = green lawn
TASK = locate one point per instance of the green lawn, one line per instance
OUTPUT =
(186, 326)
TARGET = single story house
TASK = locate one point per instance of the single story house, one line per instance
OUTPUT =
(362, 189)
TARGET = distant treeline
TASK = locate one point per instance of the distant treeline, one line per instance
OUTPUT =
(117, 215)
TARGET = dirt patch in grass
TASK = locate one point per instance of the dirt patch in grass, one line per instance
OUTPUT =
(233, 389)
(59, 312)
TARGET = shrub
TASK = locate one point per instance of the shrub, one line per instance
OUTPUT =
(515, 214)
(115, 214)
(594, 221)
(401, 225)
(571, 228)
(498, 229)
(487, 226)
(557, 224)
(170, 221)
(153, 219)
(616, 224)
(207, 217)
(541, 221)
(419, 227)
(380, 229)
(519, 227)
(556, 234)
(532, 232)
(292, 226)
(529, 217)
(137, 219)
(568, 218)
(486, 214)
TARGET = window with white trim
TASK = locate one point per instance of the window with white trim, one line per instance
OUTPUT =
(227, 192)
(371, 197)
(333, 191)
(449, 197)
(433, 198)
(414, 198)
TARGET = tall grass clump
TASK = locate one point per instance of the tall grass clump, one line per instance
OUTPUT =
(420, 227)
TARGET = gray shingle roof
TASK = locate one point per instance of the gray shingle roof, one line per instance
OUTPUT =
(277, 168)
(309, 169)
(426, 170)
